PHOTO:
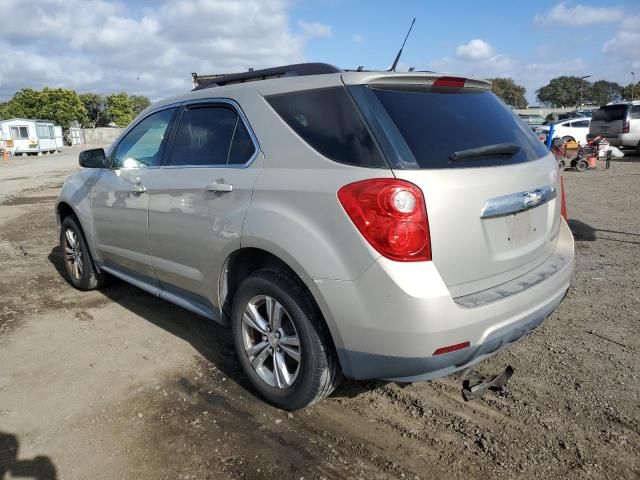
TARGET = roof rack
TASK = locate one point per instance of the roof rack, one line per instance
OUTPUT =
(297, 70)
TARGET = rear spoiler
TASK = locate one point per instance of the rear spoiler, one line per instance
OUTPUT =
(417, 78)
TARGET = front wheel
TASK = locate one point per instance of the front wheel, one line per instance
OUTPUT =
(282, 342)
(582, 165)
(77, 259)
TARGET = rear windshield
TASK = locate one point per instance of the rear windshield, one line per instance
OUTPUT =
(610, 113)
(439, 122)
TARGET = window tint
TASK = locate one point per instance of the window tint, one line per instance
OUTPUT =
(436, 123)
(242, 148)
(144, 144)
(581, 124)
(635, 112)
(203, 136)
(610, 113)
(328, 120)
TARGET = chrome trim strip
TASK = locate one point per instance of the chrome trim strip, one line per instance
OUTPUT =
(518, 202)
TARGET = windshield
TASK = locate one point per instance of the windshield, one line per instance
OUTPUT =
(436, 123)
(610, 113)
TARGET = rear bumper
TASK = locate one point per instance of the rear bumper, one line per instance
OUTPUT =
(395, 316)
(618, 140)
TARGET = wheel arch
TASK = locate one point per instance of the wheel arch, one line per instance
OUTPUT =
(246, 260)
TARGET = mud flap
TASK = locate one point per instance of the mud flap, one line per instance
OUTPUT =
(475, 386)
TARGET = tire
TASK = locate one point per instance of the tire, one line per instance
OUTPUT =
(298, 384)
(561, 165)
(582, 165)
(83, 275)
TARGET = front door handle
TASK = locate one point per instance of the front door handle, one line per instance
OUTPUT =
(219, 188)
(138, 189)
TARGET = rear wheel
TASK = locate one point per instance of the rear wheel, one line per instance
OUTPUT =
(582, 165)
(77, 259)
(282, 343)
(561, 165)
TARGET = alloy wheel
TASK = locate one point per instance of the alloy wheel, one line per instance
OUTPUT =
(271, 341)
(73, 253)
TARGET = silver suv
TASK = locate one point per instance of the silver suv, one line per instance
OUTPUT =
(376, 225)
(619, 123)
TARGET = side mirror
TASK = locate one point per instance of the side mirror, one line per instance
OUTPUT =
(94, 158)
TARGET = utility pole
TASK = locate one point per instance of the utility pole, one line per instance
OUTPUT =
(581, 84)
(633, 86)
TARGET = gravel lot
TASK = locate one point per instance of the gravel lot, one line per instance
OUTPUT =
(119, 384)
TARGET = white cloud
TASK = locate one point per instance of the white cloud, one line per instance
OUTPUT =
(624, 44)
(476, 49)
(314, 29)
(103, 46)
(578, 15)
(357, 38)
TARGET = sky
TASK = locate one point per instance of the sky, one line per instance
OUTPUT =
(150, 47)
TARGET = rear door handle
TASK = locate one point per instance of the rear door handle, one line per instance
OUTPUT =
(219, 188)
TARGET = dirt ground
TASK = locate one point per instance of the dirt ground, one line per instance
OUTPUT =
(119, 384)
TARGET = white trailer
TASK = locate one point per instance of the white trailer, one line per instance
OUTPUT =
(29, 136)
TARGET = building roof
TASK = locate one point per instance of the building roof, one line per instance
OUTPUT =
(28, 120)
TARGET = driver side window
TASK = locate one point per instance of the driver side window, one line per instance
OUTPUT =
(144, 144)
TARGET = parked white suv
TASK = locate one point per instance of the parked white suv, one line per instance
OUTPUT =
(376, 225)
(619, 123)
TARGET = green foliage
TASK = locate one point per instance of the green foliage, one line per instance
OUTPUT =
(627, 92)
(138, 103)
(603, 92)
(119, 109)
(59, 105)
(564, 92)
(94, 103)
(509, 91)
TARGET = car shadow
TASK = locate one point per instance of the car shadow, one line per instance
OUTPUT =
(587, 233)
(38, 468)
(211, 340)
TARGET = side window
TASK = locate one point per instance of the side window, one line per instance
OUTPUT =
(581, 124)
(144, 144)
(328, 120)
(635, 112)
(203, 136)
(242, 147)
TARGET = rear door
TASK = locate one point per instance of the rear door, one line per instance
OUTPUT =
(579, 130)
(492, 217)
(199, 198)
(608, 121)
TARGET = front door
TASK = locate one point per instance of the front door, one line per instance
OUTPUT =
(120, 200)
(199, 198)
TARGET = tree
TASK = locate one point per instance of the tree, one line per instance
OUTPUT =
(60, 105)
(509, 91)
(603, 92)
(138, 103)
(95, 105)
(118, 108)
(627, 92)
(564, 91)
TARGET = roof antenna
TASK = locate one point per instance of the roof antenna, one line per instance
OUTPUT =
(395, 62)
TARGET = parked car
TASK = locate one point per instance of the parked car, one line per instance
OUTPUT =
(532, 120)
(619, 123)
(573, 129)
(376, 225)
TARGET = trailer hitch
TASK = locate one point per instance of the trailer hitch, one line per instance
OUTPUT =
(475, 386)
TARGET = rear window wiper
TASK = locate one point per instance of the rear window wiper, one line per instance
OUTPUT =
(506, 149)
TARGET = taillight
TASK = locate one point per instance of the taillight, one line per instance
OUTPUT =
(456, 82)
(563, 200)
(391, 215)
(625, 126)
